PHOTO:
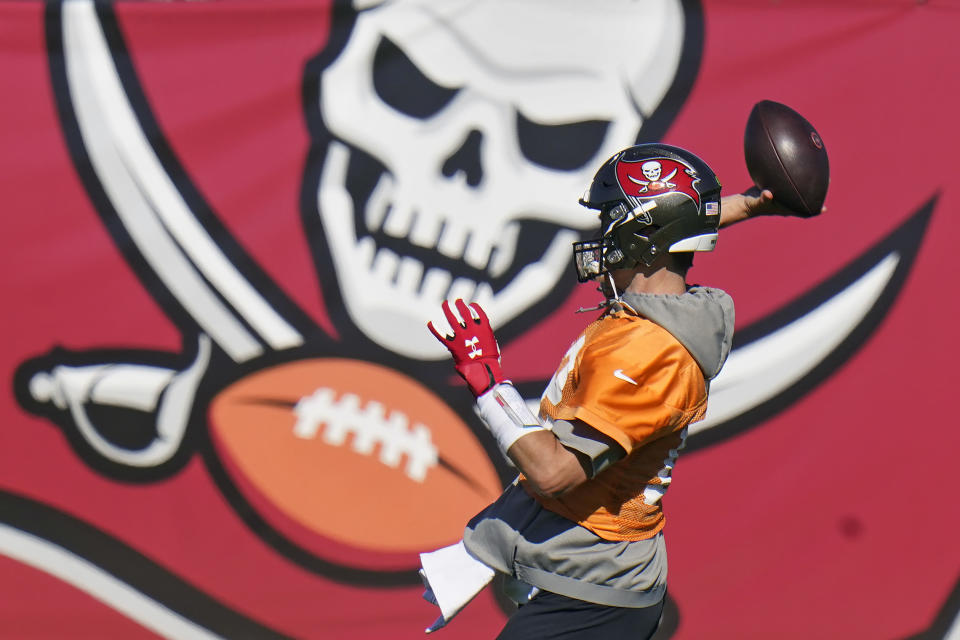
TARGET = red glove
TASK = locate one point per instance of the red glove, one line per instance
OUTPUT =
(476, 354)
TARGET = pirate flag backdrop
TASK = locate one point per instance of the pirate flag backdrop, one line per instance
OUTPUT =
(227, 223)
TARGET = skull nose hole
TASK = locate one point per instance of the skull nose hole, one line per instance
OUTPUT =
(466, 159)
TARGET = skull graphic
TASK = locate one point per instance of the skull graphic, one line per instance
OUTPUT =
(450, 148)
(652, 170)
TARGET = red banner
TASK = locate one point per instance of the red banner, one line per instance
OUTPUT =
(227, 224)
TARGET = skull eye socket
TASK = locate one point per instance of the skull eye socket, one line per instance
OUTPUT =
(401, 85)
(565, 146)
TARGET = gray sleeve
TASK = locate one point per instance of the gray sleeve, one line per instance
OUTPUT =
(601, 450)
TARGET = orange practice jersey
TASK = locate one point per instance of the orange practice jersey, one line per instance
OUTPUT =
(630, 379)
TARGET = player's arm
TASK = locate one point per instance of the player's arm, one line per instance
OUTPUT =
(551, 468)
(554, 462)
(740, 206)
(750, 204)
(553, 465)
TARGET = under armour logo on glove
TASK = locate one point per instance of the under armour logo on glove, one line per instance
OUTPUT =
(470, 340)
(472, 343)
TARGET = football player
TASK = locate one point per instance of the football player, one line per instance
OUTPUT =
(579, 534)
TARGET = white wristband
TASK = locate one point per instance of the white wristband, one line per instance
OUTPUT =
(507, 415)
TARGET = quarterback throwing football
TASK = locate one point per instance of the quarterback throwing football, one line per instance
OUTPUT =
(579, 534)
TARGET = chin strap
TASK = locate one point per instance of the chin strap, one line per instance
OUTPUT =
(610, 301)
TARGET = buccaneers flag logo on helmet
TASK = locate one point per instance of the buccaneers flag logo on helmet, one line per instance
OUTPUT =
(656, 177)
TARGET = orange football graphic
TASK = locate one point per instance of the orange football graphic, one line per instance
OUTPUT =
(352, 460)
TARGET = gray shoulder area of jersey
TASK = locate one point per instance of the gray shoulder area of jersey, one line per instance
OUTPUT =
(701, 320)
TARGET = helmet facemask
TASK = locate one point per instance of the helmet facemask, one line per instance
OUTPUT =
(593, 258)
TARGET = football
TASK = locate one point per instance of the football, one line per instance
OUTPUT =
(785, 154)
(356, 463)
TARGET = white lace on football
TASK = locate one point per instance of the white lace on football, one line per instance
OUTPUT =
(370, 426)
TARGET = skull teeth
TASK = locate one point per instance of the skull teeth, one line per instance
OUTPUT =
(488, 250)
(504, 250)
(478, 247)
(426, 230)
(399, 221)
(452, 240)
(366, 250)
(379, 204)
(435, 284)
(462, 288)
(477, 253)
(407, 274)
(385, 265)
(455, 241)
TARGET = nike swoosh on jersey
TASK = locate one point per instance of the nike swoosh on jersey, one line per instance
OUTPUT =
(620, 374)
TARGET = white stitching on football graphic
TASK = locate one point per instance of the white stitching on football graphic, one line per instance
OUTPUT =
(370, 425)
